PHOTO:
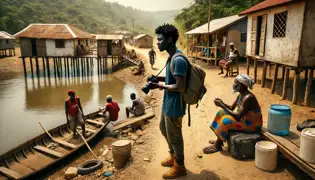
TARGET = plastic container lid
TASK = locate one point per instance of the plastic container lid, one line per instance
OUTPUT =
(266, 146)
(280, 107)
(309, 133)
(121, 143)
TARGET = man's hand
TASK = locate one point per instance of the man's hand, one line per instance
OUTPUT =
(68, 122)
(155, 85)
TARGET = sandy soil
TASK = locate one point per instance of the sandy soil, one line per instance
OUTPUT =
(215, 166)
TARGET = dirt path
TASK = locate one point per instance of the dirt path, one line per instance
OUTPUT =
(219, 165)
(215, 166)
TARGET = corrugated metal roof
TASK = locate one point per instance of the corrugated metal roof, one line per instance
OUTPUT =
(266, 4)
(52, 31)
(216, 24)
(5, 35)
(109, 37)
(141, 36)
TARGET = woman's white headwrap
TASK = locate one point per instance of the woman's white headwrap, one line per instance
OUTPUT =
(246, 80)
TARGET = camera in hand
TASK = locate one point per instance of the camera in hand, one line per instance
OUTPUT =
(147, 87)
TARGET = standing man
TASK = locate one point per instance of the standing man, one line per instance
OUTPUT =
(174, 107)
(137, 107)
(112, 108)
(152, 56)
(74, 113)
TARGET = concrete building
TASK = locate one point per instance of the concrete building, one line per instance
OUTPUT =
(53, 40)
(109, 45)
(6, 44)
(222, 32)
(143, 41)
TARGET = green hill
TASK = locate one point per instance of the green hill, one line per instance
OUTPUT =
(94, 16)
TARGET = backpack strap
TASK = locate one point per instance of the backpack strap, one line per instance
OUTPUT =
(172, 71)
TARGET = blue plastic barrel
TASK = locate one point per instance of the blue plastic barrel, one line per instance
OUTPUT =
(279, 119)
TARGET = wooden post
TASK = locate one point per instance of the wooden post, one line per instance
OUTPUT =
(106, 65)
(37, 66)
(44, 68)
(296, 86)
(82, 65)
(285, 83)
(98, 66)
(283, 72)
(24, 66)
(68, 67)
(308, 88)
(65, 65)
(255, 70)
(247, 65)
(305, 75)
(72, 66)
(263, 77)
(31, 63)
(78, 66)
(275, 77)
(60, 61)
(48, 66)
(14, 52)
(55, 67)
(112, 62)
(87, 64)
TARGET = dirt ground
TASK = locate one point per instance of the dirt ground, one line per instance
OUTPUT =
(215, 166)
(154, 148)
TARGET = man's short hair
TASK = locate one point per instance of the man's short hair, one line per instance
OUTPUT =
(133, 95)
(168, 30)
(109, 98)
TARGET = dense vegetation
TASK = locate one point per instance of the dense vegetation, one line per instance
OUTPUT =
(197, 14)
(94, 16)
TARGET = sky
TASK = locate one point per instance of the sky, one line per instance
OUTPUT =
(154, 5)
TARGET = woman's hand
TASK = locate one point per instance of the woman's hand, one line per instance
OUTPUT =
(218, 103)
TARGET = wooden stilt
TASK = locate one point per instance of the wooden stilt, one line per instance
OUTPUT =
(305, 75)
(247, 65)
(31, 63)
(72, 67)
(65, 66)
(78, 66)
(263, 77)
(37, 66)
(112, 62)
(255, 70)
(24, 66)
(308, 88)
(55, 67)
(68, 67)
(283, 72)
(44, 68)
(296, 86)
(48, 66)
(82, 66)
(14, 52)
(285, 83)
(60, 61)
(87, 64)
(98, 66)
(275, 77)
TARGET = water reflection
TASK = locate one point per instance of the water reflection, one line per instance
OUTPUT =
(25, 102)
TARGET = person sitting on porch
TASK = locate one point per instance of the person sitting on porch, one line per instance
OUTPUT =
(206, 52)
(247, 118)
(133, 54)
(226, 63)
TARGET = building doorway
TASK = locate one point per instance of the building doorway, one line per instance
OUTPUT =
(34, 47)
(109, 47)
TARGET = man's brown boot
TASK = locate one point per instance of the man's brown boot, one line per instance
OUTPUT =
(175, 172)
(169, 162)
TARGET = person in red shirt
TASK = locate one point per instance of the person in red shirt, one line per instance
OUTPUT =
(74, 113)
(112, 108)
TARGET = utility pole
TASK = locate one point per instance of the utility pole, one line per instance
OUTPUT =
(133, 24)
(209, 19)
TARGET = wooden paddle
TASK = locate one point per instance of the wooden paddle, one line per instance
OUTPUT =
(87, 144)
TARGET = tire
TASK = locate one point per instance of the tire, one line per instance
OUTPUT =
(90, 166)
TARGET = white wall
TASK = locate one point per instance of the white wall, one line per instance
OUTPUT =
(235, 37)
(281, 50)
(4, 45)
(53, 51)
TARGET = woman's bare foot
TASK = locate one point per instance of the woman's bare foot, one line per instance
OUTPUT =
(212, 141)
(220, 73)
(212, 149)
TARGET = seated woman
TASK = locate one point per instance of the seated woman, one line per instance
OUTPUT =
(247, 118)
(226, 63)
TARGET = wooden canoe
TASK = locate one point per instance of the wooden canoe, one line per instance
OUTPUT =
(44, 151)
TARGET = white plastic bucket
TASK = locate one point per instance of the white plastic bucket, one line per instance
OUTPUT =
(266, 155)
(307, 145)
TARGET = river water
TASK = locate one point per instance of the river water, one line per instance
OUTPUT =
(26, 101)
